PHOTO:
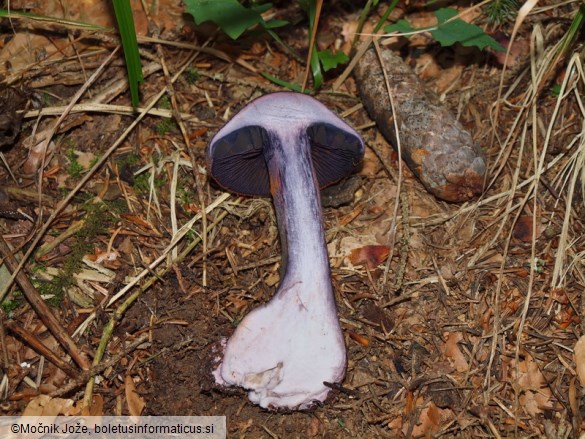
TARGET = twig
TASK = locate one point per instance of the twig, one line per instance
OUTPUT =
(38, 346)
(40, 307)
(113, 109)
(81, 379)
(3, 341)
(72, 230)
(390, 93)
(258, 264)
(404, 245)
(21, 194)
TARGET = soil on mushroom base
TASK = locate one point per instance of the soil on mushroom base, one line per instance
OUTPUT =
(181, 384)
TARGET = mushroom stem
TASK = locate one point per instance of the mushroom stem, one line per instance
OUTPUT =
(297, 204)
(285, 350)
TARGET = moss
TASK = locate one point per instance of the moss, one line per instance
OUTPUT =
(165, 126)
(94, 160)
(75, 169)
(192, 75)
(10, 305)
(47, 99)
(191, 236)
(97, 218)
(128, 160)
(184, 195)
(117, 206)
(164, 103)
(142, 182)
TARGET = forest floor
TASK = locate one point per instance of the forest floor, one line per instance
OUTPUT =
(460, 319)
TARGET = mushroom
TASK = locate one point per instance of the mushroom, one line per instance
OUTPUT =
(289, 351)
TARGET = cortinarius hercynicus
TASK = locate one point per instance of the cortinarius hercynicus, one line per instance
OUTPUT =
(288, 145)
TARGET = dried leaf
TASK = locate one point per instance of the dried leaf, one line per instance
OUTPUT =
(579, 354)
(36, 405)
(536, 396)
(44, 405)
(371, 255)
(429, 421)
(452, 351)
(135, 401)
(371, 163)
(523, 229)
(126, 246)
(96, 407)
(85, 159)
(36, 146)
(395, 424)
(528, 401)
(359, 339)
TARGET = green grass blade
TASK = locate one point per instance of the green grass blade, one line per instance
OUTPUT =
(362, 20)
(314, 61)
(127, 30)
(385, 16)
(4, 13)
(285, 46)
(574, 30)
(290, 85)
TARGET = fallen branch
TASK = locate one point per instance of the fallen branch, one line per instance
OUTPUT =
(41, 308)
(39, 347)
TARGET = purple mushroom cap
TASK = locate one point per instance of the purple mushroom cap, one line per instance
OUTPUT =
(236, 154)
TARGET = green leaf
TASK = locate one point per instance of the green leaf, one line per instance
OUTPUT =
(401, 26)
(572, 33)
(273, 24)
(330, 61)
(458, 31)
(233, 18)
(260, 9)
(127, 30)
